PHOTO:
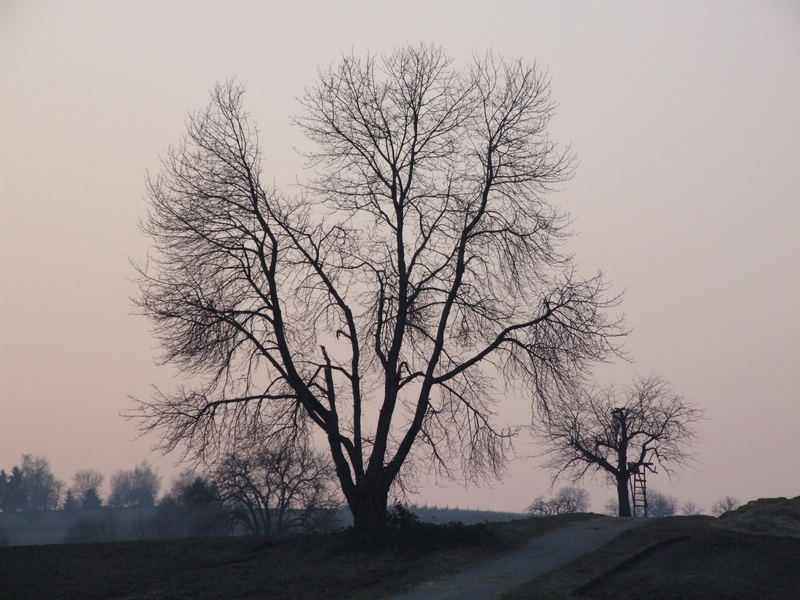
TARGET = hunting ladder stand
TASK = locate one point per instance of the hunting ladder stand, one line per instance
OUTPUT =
(639, 487)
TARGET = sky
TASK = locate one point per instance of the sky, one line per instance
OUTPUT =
(683, 116)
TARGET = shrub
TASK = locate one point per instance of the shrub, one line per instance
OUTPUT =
(400, 517)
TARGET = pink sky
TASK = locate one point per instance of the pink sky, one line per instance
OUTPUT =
(684, 117)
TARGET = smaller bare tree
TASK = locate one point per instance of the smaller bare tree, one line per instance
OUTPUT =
(661, 505)
(691, 509)
(85, 480)
(138, 487)
(724, 505)
(568, 500)
(616, 433)
(275, 489)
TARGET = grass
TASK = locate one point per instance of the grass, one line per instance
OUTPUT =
(301, 566)
(676, 557)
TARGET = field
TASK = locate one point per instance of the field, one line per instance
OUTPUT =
(752, 552)
(313, 566)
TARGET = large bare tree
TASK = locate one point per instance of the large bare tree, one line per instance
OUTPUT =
(617, 432)
(387, 306)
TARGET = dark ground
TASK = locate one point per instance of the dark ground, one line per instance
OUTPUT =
(313, 566)
(693, 558)
(750, 553)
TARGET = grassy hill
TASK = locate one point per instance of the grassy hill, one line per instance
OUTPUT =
(749, 553)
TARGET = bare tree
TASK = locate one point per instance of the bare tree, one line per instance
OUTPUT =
(661, 505)
(573, 499)
(724, 505)
(85, 480)
(418, 274)
(277, 489)
(691, 509)
(617, 433)
(568, 500)
(138, 487)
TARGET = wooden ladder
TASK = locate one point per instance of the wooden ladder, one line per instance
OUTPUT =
(639, 493)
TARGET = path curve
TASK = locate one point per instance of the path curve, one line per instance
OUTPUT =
(541, 554)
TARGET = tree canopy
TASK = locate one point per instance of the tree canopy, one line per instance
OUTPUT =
(619, 432)
(416, 281)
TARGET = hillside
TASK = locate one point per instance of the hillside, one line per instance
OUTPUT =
(749, 553)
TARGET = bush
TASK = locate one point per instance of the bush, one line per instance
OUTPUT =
(410, 537)
(400, 517)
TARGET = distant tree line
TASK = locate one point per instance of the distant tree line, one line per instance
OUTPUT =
(663, 505)
(258, 490)
(31, 486)
(573, 499)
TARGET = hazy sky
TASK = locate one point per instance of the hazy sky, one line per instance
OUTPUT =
(684, 117)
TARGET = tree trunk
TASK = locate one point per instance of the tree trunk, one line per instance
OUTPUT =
(623, 495)
(368, 505)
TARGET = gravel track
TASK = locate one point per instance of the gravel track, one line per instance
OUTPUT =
(541, 554)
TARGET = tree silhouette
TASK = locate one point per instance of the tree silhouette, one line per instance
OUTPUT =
(138, 487)
(389, 304)
(71, 504)
(91, 500)
(617, 433)
(276, 489)
(724, 505)
(83, 481)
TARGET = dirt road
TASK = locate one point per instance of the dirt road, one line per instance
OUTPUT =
(541, 554)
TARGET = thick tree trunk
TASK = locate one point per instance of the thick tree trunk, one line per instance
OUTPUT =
(623, 495)
(368, 506)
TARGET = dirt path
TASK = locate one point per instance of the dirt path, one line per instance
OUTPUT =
(541, 554)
